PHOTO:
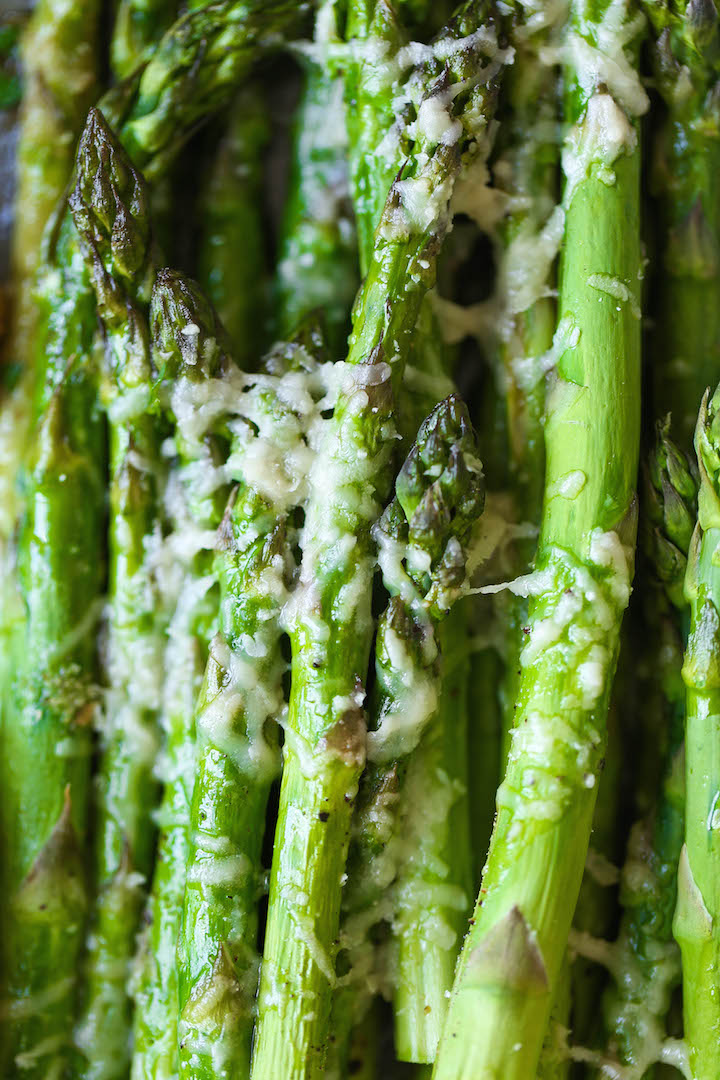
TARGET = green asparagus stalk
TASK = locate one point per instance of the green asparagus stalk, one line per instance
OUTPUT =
(47, 724)
(60, 61)
(378, 78)
(317, 266)
(109, 208)
(217, 968)
(685, 161)
(696, 913)
(373, 137)
(195, 509)
(138, 26)
(324, 754)
(435, 884)
(645, 965)
(511, 959)
(231, 256)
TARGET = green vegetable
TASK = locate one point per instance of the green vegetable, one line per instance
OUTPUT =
(647, 967)
(696, 914)
(511, 958)
(138, 26)
(231, 257)
(685, 162)
(109, 208)
(317, 265)
(195, 514)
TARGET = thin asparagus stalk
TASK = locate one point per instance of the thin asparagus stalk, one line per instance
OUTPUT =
(685, 162)
(696, 915)
(109, 208)
(138, 26)
(231, 257)
(217, 968)
(645, 964)
(373, 136)
(325, 714)
(511, 959)
(317, 266)
(435, 884)
(194, 509)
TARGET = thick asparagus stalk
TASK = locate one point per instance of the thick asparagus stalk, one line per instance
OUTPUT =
(109, 207)
(511, 959)
(195, 509)
(317, 266)
(325, 714)
(696, 915)
(685, 162)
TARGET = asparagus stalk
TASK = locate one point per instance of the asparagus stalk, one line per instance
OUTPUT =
(373, 136)
(47, 725)
(231, 257)
(109, 208)
(696, 913)
(685, 162)
(195, 509)
(60, 61)
(138, 26)
(511, 959)
(435, 884)
(317, 266)
(217, 970)
(645, 965)
(325, 714)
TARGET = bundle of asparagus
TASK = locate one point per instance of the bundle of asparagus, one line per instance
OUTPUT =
(320, 432)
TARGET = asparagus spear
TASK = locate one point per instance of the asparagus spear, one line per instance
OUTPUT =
(194, 509)
(60, 62)
(325, 713)
(645, 965)
(138, 26)
(317, 265)
(510, 962)
(109, 208)
(231, 258)
(696, 914)
(47, 725)
(217, 971)
(685, 162)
